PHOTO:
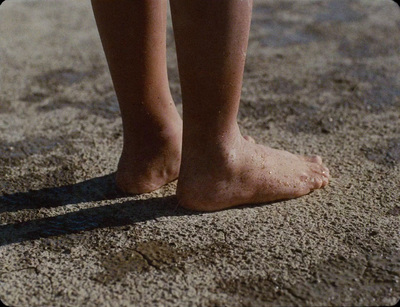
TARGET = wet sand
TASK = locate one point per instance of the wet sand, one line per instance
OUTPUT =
(322, 77)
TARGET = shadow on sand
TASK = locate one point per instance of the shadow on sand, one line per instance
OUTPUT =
(96, 189)
(121, 213)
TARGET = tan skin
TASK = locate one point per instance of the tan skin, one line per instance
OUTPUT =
(133, 34)
(218, 168)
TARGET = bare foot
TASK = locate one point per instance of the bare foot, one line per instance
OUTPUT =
(246, 173)
(151, 162)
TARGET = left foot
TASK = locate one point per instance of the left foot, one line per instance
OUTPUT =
(152, 164)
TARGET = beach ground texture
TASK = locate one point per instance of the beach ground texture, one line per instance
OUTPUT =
(322, 77)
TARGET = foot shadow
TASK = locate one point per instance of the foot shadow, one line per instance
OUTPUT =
(119, 213)
(96, 189)
(113, 215)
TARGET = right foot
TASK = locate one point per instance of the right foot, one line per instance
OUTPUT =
(247, 173)
(155, 162)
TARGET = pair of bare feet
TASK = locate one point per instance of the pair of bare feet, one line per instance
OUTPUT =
(217, 176)
(216, 166)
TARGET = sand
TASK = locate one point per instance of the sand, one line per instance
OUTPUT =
(322, 77)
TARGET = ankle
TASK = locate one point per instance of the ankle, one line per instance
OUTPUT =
(152, 135)
(210, 146)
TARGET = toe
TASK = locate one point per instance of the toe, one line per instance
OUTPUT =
(317, 181)
(326, 176)
(318, 175)
(325, 181)
(325, 171)
(317, 169)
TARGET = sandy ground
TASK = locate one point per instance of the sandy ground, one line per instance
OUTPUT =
(321, 77)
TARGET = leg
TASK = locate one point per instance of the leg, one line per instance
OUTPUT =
(133, 34)
(220, 168)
